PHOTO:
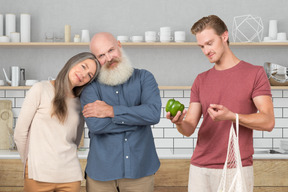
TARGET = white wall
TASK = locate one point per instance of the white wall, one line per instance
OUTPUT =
(130, 17)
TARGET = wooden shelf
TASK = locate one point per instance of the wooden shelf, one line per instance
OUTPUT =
(142, 44)
(14, 88)
(160, 87)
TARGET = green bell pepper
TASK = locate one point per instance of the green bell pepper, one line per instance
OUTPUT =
(173, 106)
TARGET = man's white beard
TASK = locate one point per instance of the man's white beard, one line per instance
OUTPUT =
(118, 75)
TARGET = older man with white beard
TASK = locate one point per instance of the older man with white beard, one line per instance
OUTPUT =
(119, 108)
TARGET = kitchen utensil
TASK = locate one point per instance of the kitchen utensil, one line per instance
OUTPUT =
(276, 74)
(30, 82)
(150, 36)
(10, 23)
(15, 37)
(165, 29)
(136, 38)
(6, 125)
(273, 29)
(67, 33)
(281, 36)
(1, 25)
(77, 38)
(165, 34)
(4, 39)
(179, 36)
(58, 36)
(122, 38)
(25, 27)
(165, 38)
(17, 76)
(85, 37)
(49, 36)
(266, 39)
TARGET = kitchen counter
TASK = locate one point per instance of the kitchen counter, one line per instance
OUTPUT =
(261, 154)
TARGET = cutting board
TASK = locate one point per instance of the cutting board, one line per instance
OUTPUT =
(6, 125)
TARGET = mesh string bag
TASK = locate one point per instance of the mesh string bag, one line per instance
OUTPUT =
(232, 179)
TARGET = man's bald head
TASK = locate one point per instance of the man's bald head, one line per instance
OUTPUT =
(101, 40)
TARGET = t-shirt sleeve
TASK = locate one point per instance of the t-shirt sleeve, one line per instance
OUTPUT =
(262, 85)
(194, 96)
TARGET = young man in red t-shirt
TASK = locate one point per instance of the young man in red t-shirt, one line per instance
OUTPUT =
(231, 86)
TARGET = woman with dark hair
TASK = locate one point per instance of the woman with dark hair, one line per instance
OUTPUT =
(50, 125)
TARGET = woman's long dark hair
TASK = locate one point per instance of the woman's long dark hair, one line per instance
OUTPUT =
(62, 84)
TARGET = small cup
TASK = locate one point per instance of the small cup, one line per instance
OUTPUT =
(2, 83)
(267, 39)
(15, 37)
(165, 38)
(4, 39)
(150, 33)
(136, 38)
(49, 36)
(150, 38)
(281, 36)
(165, 29)
(77, 38)
(179, 36)
(122, 38)
(59, 37)
(165, 33)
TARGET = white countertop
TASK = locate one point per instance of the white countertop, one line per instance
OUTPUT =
(8, 154)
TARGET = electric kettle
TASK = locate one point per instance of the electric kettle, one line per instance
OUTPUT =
(17, 76)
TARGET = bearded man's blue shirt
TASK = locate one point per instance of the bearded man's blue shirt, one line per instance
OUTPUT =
(123, 146)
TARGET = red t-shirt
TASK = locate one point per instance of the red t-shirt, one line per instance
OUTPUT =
(234, 88)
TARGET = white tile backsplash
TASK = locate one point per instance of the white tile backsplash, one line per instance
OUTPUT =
(19, 102)
(285, 112)
(280, 102)
(183, 143)
(278, 112)
(2, 93)
(187, 94)
(283, 122)
(257, 134)
(262, 143)
(168, 139)
(164, 123)
(285, 93)
(15, 93)
(285, 133)
(158, 132)
(173, 93)
(275, 133)
(164, 143)
(276, 93)
(172, 133)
